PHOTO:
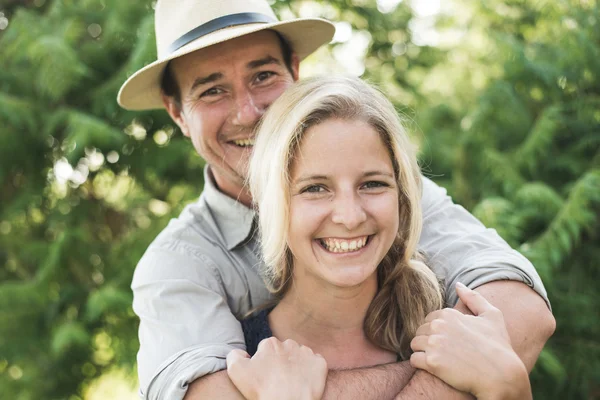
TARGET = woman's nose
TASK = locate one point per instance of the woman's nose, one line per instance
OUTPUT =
(348, 211)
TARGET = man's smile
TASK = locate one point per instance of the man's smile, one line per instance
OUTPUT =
(243, 142)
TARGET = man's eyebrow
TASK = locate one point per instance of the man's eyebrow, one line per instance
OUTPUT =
(263, 61)
(207, 79)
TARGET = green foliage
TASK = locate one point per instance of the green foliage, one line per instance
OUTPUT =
(527, 164)
(69, 240)
(507, 114)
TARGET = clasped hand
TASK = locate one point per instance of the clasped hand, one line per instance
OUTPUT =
(471, 353)
(278, 370)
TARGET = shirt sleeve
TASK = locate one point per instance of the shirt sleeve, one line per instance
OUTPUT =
(186, 326)
(460, 248)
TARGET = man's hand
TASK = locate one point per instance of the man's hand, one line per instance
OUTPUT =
(471, 353)
(278, 370)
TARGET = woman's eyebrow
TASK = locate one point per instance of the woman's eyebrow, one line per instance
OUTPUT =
(374, 173)
(310, 178)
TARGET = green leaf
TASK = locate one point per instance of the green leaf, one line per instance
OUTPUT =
(68, 337)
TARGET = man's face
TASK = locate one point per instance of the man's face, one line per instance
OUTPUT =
(225, 90)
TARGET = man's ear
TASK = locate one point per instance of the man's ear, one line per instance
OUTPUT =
(295, 67)
(174, 110)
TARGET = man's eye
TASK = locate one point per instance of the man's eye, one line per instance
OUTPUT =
(263, 76)
(211, 92)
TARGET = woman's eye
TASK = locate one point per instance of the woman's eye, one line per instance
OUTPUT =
(313, 189)
(374, 184)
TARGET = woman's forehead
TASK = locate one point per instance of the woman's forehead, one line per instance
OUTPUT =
(340, 144)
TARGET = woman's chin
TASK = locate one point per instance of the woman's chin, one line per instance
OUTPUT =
(350, 277)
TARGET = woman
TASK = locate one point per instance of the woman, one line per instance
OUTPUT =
(338, 187)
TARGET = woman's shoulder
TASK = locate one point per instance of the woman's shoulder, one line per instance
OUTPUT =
(256, 328)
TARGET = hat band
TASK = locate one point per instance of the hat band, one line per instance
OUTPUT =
(217, 24)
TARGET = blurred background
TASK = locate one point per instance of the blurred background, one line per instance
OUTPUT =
(503, 96)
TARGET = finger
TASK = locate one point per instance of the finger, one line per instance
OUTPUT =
(419, 343)
(418, 359)
(424, 329)
(268, 343)
(473, 300)
(433, 315)
(236, 358)
(306, 349)
(290, 344)
(444, 313)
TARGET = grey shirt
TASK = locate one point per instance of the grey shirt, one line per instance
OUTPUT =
(202, 273)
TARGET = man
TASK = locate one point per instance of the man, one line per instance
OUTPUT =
(220, 64)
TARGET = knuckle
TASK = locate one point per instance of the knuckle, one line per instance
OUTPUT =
(270, 343)
(435, 341)
(306, 349)
(413, 342)
(433, 360)
(451, 313)
(437, 325)
(319, 360)
(431, 341)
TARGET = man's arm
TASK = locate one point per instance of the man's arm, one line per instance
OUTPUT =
(186, 326)
(529, 323)
(374, 383)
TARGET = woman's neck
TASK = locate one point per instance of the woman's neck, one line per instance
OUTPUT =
(329, 320)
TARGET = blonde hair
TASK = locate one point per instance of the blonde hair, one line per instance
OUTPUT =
(407, 289)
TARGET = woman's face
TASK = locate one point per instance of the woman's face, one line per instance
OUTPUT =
(344, 203)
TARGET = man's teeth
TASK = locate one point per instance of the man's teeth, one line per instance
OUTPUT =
(244, 142)
(344, 246)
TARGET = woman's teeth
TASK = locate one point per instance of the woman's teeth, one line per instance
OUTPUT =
(244, 142)
(344, 246)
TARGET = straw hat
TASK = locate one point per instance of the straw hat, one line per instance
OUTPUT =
(184, 26)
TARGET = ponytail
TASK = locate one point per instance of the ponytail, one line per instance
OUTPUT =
(408, 291)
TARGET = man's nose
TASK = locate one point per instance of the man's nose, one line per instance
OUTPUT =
(348, 211)
(247, 111)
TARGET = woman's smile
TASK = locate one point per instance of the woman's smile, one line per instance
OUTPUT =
(340, 246)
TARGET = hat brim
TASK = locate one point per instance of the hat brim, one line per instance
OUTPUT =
(142, 90)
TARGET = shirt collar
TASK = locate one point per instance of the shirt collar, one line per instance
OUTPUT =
(234, 220)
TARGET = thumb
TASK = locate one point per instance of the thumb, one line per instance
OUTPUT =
(237, 358)
(473, 300)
